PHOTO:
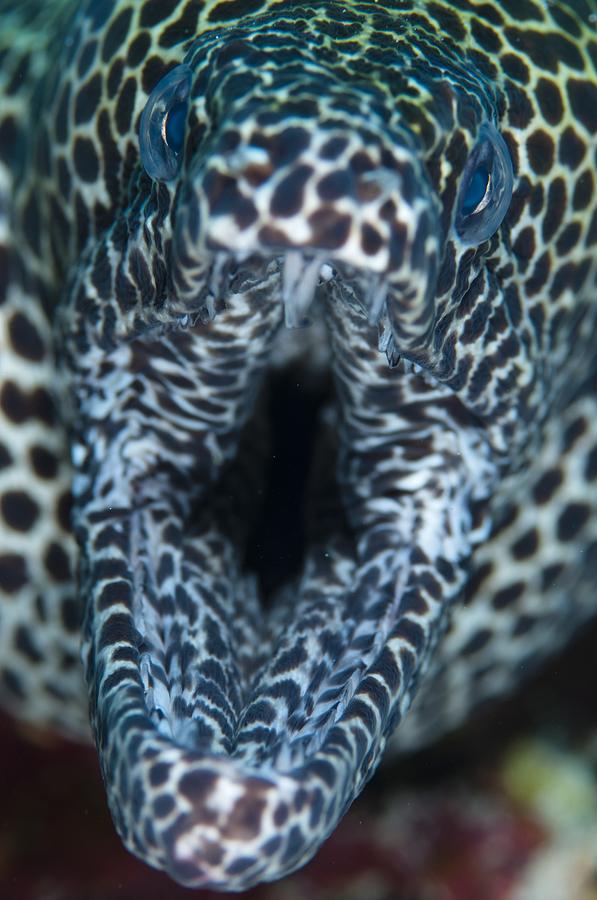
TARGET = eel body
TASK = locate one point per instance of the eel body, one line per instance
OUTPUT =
(360, 236)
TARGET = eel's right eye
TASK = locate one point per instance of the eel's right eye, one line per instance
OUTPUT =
(161, 133)
(485, 189)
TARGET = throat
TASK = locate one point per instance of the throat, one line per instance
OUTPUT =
(295, 403)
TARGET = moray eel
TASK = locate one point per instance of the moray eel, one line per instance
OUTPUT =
(392, 205)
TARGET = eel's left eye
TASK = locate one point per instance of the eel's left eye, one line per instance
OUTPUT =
(161, 132)
(486, 188)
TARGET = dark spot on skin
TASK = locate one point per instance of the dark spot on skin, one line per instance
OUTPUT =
(539, 275)
(591, 236)
(285, 147)
(155, 11)
(61, 123)
(116, 34)
(524, 246)
(520, 110)
(287, 199)
(523, 625)
(448, 21)
(25, 338)
(163, 805)
(555, 210)
(360, 162)
(541, 150)
(181, 28)
(159, 774)
(572, 148)
(591, 465)
(198, 786)
(125, 105)
(31, 223)
(572, 520)
(85, 159)
(515, 67)
(545, 49)
(568, 238)
(335, 185)
(222, 193)
(5, 458)
(572, 433)
(547, 485)
(488, 39)
(550, 101)
(87, 100)
(583, 100)
(536, 200)
(565, 20)
(24, 644)
(281, 814)
(484, 65)
(550, 574)
(138, 49)
(526, 545)
(99, 13)
(232, 9)
(508, 596)
(64, 510)
(12, 684)
(10, 136)
(86, 58)
(13, 573)
(244, 821)
(475, 580)
(477, 642)
(272, 237)
(57, 563)
(371, 240)
(19, 406)
(19, 510)
(330, 229)
(114, 79)
(522, 10)
(333, 148)
(71, 614)
(583, 190)
(64, 179)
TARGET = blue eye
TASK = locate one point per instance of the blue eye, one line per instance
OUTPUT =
(161, 132)
(485, 189)
(475, 191)
(175, 123)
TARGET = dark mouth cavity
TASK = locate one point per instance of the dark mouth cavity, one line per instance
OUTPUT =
(293, 401)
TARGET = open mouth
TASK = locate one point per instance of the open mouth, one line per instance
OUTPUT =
(273, 526)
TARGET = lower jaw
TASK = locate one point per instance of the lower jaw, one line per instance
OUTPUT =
(233, 739)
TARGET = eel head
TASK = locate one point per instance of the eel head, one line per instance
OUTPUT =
(298, 203)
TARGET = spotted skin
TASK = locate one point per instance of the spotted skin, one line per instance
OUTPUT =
(451, 543)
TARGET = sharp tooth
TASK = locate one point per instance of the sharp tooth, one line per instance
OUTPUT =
(299, 280)
(215, 288)
(392, 354)
(326, 273)
(208, 311)
(217, 275)
(387, 345)
(375, 300)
